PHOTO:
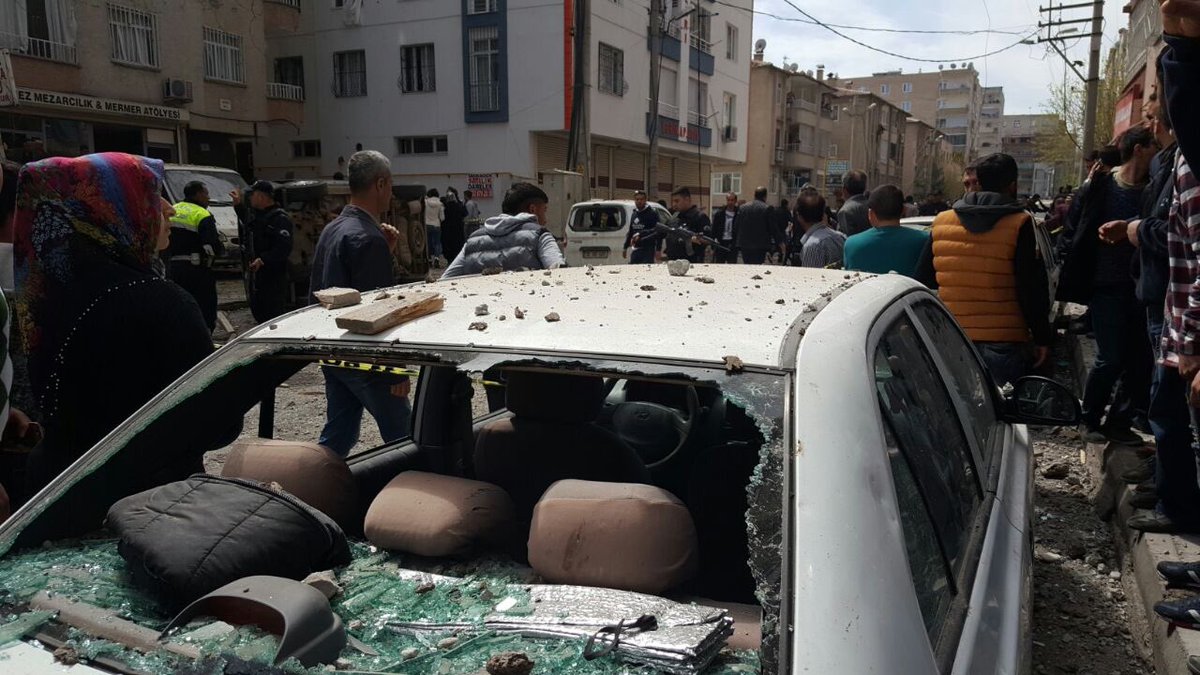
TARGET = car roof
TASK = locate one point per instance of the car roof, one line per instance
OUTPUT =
(752, 312)
(917, 220)
(198, 167)
(606, 202)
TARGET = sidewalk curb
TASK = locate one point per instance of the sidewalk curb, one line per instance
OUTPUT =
(1137, 551)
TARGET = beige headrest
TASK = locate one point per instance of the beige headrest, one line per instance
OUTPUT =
(311, 472)
(434, 515)
(627, 536)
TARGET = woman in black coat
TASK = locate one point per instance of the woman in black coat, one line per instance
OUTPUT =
(453, 236)
(104, 332)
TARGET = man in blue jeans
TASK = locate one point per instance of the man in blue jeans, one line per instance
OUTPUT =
(355, 251)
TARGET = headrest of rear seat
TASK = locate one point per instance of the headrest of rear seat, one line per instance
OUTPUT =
(311, 472)
(554, 397)
(434, 515)
(616, 535)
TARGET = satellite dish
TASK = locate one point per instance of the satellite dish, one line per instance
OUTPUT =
(794, 67)
(940, 66)
(953, 66)
(760, 45)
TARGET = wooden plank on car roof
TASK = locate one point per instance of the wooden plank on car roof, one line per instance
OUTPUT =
(382, 314)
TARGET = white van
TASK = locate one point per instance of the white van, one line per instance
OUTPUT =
(219, 181)
(596, 231)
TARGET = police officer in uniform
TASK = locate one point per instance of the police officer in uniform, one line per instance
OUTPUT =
(194, 245)
(269, 231)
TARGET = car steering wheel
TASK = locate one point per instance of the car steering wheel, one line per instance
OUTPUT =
(647, 428)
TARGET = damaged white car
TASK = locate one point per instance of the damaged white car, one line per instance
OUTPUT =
(738, 470)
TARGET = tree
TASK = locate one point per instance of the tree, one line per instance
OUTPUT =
(1061, 146)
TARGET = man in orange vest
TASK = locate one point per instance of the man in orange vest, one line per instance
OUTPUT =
(983, 260)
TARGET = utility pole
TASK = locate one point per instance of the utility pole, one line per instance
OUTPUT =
(656, 31)
(1092, 81)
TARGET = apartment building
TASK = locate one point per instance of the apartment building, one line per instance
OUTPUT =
(789, 136)
(869, 136)
(949, 98)
(990, 114)
(479, 93)
(930, 165)
(178, 80)
(1141, 42)
(1019, 139)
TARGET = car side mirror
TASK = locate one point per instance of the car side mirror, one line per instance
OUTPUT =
(1040, 401)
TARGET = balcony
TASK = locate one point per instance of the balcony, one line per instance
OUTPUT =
(278, 91)
(281, 17)
(37, 48)
(799, 154)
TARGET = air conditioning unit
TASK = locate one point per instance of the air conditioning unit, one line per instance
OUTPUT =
(730, 133)
(177, 91)
(779, 155)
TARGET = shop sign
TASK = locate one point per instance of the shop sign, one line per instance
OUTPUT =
(480, 185)
(80, 103)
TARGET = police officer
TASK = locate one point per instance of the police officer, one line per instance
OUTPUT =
(194, 245)
(270, 235)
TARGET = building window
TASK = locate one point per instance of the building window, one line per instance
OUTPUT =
(417, 69)
(729, 109)
(134, 36)
(484, 64)
(724, 183)
(941, 103)
(223, 56)
(731, 42)
(481, 6)
(906, 106)
(290, 70)
(612, 70)
(421, 145)
(1016, 124)
(303, 149)
(350, 74)
(338, 4)
(906, 87)
(885, 89)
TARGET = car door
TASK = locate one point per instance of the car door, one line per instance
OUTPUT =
(947, 451)
(995, 634)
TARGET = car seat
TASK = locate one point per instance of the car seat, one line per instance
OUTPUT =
(552, 436)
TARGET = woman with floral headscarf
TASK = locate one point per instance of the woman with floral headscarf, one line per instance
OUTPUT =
(104, 331)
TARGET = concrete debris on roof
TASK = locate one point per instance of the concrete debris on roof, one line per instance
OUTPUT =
(705, 280)
(648, 287)
(678, 268)
(552, 317)
(519, 313)
(478, 325)
(488, 271)
(481, 310)
(734, 364)
(333, 298)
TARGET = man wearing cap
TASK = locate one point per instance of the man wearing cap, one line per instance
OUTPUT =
(194, 245)
(270, 235)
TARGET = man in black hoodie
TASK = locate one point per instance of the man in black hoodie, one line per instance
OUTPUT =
(1099, 274)
(983, 259)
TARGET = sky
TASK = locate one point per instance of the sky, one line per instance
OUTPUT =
(1025, 71)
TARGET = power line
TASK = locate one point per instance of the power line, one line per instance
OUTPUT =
(873, 48)
(869, 29)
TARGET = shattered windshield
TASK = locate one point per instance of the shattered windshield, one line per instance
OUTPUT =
(676, 550)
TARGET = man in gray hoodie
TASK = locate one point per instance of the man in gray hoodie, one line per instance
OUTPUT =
(512, 241)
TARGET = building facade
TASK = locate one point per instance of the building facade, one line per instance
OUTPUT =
(173, 79)
(951, 98)
(480, 93)
(1019, 139)
(1140, 44)
(930, 164)
(990, 117)
(789, 135)
(869, 136)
